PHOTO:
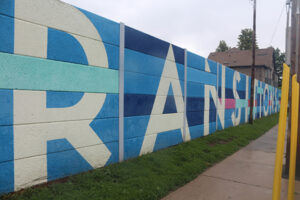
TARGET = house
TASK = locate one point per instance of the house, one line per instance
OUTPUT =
(241, 60)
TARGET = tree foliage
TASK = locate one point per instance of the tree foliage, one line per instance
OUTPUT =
(279, 59)
(222, 46)
(245, 40)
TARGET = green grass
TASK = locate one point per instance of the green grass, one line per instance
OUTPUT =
(154, 175)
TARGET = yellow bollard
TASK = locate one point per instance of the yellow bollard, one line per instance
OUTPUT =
(294, 132)
(281, 132)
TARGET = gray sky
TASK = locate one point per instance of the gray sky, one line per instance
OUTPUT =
(197, 25)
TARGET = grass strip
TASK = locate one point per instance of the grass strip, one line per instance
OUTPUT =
(154, 175)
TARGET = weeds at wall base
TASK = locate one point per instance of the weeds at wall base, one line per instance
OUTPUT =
(154, 175)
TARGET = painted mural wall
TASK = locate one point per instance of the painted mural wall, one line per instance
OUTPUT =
(59, 93)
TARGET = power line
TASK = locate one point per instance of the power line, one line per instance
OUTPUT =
(276, 27)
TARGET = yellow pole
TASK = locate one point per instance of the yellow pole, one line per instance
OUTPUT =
(294, 132)
(281, 132)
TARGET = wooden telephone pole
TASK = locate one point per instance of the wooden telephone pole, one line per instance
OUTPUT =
(295, 67)
(253, 63)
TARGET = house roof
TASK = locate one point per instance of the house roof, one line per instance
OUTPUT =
(235, 57)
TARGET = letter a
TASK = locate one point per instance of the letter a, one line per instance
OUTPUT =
(158, 121)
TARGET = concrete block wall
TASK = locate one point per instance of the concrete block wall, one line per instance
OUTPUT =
(61, 72)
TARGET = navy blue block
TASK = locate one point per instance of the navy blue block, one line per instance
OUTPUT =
(229, 93)
(195, 104)
(170, 105)
(212, 115)
(138, 104)
(139, 41)
(242, 94)
(195, 118)
(178, 54)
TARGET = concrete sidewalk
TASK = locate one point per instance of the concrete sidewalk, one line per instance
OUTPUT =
(246, 175)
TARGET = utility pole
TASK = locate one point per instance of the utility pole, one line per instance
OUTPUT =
(295, 68)
(297, 71)
(288, 62)
(253, 63)
(288, 34)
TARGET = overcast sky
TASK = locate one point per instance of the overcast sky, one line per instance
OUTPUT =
(197, 25)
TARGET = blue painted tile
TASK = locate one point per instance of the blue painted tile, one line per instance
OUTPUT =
(195, 61)
(6, 177)
(135, 126)
(107, 29)
(196, 131)
(6, 107)
(110, 107)
(132, 147)
(6, 32)
(7, 7)
(146, 64)
(212, 66)
(168, 138)
(63, 46)
(198, 76)
(212, 127)
(64, 163)
(143, 63)
(112, 52)
(106, 129)
(114, 149)
(6, 144)
(135, 83)
(195, 89)
(56, 99)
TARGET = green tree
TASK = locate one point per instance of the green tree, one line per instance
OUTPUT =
(279, 59)
(222, 46)
(245, 40)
